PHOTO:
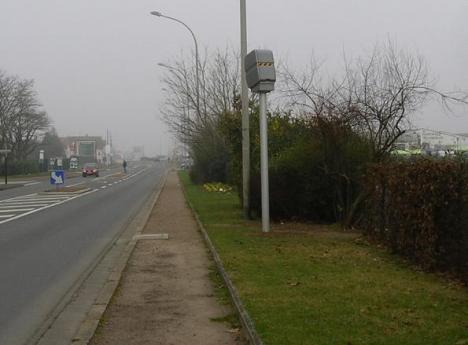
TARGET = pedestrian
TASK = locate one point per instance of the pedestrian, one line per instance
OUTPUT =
(124, 164)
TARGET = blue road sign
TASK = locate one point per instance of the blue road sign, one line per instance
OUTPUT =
(57, 177)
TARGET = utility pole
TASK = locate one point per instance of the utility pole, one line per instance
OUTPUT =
(264, 163)
(245, 114)
(261, 78)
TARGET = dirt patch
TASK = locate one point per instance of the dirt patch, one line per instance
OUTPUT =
(166, 295)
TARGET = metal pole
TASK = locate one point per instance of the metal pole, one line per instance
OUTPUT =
(245, 114)
(264, 164)
(6, 169)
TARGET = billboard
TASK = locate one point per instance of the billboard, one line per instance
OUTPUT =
(87, 149)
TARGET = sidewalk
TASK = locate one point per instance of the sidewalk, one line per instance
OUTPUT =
(165, 295)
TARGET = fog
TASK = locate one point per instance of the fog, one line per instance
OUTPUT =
(95, 62)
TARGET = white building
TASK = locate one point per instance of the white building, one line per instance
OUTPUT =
(430, 140)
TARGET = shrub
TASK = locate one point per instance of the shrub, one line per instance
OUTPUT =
(210, 156)
(315, 167)
(420, 209)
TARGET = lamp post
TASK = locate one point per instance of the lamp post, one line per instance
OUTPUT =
(245, 114)
(197, 60)
(5, 153)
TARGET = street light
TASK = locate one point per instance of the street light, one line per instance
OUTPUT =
(245, 114)
(197, 61)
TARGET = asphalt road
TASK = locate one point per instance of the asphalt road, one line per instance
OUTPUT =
(44, 251)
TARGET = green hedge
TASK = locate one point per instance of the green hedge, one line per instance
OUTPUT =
(420, 209)
(29, 167)
(21, 167)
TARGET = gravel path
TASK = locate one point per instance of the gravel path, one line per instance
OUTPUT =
(165, 295)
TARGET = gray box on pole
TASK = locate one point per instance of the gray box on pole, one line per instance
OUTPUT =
(260, 70)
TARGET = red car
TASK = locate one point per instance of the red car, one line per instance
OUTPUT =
(90, 169)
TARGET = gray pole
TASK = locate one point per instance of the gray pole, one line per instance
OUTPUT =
(264, 163)
(6, 169)
(197, 58)
(245, 114)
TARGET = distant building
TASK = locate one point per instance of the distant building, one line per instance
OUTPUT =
(86, 148)
(431, 140)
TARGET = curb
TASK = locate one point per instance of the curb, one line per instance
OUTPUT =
(247, 323)
(89, 325)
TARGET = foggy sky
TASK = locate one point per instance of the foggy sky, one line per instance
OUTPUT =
(95, 61)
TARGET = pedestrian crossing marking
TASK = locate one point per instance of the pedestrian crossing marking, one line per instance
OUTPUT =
(22, 206)
(17, 210)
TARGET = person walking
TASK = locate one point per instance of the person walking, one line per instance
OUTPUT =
(124, 164)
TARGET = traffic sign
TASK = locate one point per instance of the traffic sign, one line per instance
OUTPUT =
(57, 177)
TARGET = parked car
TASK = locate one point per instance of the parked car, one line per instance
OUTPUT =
(90, 169)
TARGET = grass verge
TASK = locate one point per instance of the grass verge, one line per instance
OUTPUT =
(315, 285)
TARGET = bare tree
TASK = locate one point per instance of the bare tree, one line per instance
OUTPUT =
(21, 117)
(376, 96)
(219, 88)
(200, 129)
(373, 100)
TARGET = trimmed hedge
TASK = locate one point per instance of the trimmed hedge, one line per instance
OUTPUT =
(420, 209)
(20, 167)
(29, 167)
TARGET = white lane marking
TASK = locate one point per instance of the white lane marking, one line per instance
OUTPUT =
(36, 200)
(31, 184)
(6, 215)
(46, 207)
(103, 187)
(46, 195)
(37, 196)
(18, 210)
(13, 205)
(23, 202)
(43, 197)
(76, 184)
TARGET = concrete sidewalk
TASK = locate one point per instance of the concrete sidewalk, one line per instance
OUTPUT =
(165, 295)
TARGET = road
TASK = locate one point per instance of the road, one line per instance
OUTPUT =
(48, 242)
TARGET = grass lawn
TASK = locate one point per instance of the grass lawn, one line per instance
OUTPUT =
(316, 285)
